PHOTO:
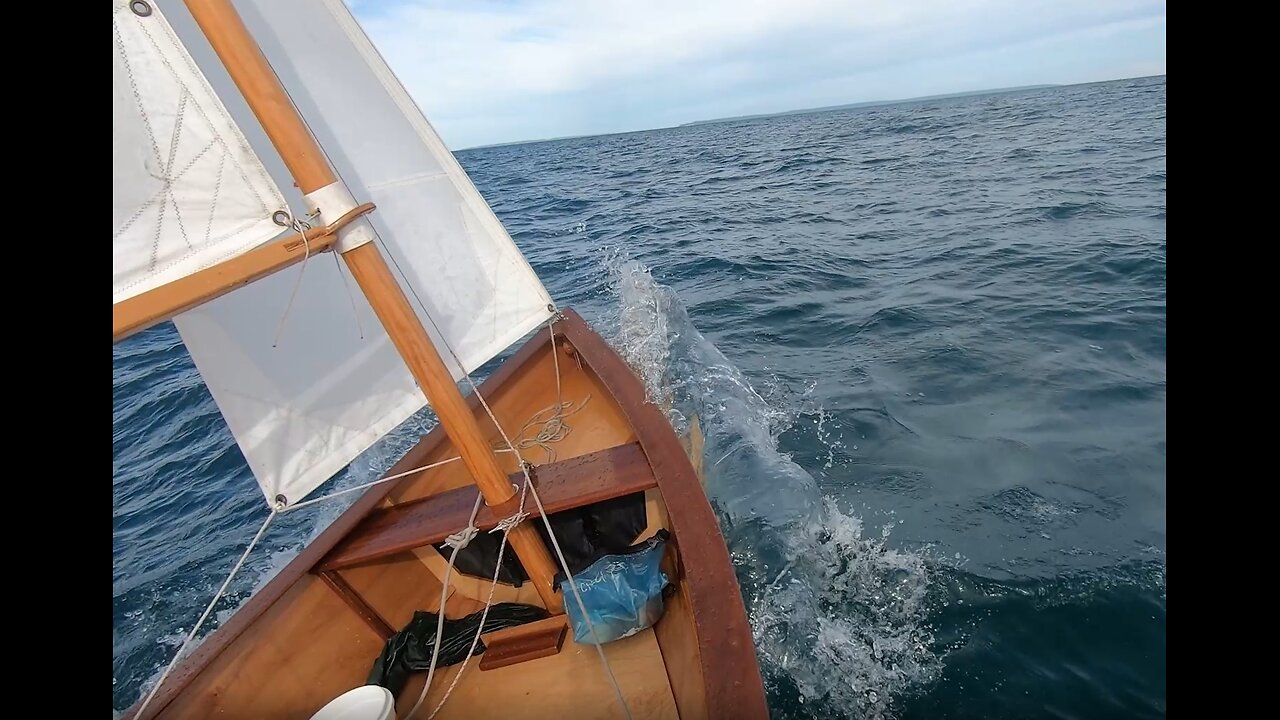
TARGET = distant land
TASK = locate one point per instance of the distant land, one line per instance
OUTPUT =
(828, 108)
(804, 111)
(868, 103)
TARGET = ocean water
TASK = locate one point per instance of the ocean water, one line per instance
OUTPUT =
(926, 344)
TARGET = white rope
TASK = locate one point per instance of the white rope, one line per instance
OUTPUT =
(553, 428)
(461, 539)
(355, 312)
(205, 616)
(457, 541)
(302, 226)
(389, 478)
(488, 603)
(506, 526)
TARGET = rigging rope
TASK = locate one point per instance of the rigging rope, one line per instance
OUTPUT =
(552, 417)
(573, 585)
(530, 489)
(457, 541)
(301, 227)
(355, 312)
(505, 526)
(389, 478)
(553, 428)
(205, 616)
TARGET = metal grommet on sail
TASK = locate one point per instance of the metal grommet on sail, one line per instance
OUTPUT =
(140, 8)
(282, 218)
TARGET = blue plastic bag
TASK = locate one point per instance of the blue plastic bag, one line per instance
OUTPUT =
(622, 593)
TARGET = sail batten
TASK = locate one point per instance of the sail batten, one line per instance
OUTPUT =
(188, 191)
(297, 362)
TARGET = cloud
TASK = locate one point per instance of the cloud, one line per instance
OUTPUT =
(498, 71)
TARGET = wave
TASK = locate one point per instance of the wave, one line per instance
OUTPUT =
(840, 619)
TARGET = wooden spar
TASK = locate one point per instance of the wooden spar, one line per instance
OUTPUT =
(159, 304)
(258, 84)
(397, 316)
(239, 52)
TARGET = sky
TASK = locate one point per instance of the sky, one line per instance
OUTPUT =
(495, 71)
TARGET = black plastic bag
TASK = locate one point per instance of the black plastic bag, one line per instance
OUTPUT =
(585, 533)
(410, 649)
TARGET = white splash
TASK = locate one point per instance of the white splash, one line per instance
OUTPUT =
(837, 616)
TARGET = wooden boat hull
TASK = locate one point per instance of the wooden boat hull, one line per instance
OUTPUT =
(313, 631)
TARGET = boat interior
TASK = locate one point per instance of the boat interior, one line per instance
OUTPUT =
(314, 632)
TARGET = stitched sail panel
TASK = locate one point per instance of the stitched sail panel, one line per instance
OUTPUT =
(187, 190)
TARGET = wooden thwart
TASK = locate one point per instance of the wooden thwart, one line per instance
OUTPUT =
(524, 642)
(583, 480)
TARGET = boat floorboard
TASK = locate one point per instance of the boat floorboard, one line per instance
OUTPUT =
(570, 684)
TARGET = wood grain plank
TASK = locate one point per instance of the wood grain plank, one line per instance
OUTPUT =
(522, 643)
(583, 480)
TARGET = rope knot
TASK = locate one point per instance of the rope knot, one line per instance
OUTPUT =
(461, 539)
(507, 524)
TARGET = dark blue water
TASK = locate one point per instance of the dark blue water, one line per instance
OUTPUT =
(926, 343)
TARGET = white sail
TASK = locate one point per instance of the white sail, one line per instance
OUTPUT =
(306, 396)
(187, 191)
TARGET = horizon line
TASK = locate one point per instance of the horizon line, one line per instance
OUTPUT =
(806, 111)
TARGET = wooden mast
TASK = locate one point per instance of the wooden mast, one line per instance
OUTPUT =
(252, 74)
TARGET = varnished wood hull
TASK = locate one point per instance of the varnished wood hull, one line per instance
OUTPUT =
(314, 630)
